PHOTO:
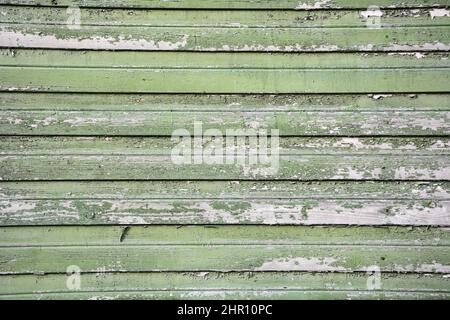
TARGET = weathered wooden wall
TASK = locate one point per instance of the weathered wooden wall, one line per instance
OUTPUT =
(86, 115)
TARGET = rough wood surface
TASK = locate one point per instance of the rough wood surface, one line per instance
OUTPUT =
(122, 164)
(239, 78)
(424, 17)
(87, 178)
(230, 285)
(235, 4)
(164, 123)
(220, 202)
(56, 236)
(193, 30)
(222, 60)
(224, 81)
(225, 249)
(150, 72)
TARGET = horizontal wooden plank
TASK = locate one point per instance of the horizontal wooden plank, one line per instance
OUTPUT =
(249, 211)
(151, 72)
(221, 60)
(226, 39)
(223, 18)
(224, 81)
(233, 294)
(87, 236)
(226, 190)
(118, 145)
(260, 285)
(123, 164)
(164, 123)
(144, 258)
(234, 4)
(154, 167)
(28, 101)
(220, 202)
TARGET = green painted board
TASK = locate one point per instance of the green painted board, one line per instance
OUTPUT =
(235, 4)
(317, 258)
(222, 60)
(234, 294)
(164, 167)
(220, 202)
(161, 145)
(425, 17)
(163, 235)
(234, 248)
(194, 30)
(231, 285)
(224, 81)
(164, 123)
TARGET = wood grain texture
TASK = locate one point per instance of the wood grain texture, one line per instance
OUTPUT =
(224, 258)
(191, 30)
(220, 202)
(34, 101)
(423, 17)
(164, 123)
(311, 115)
(318, 165)
(231, 285)
(234, 4)
(221, 60)
(252, 251)
(134, 145)
(87, 177)
(152, 72)
(91, 236)
(224, 81)
(233, 295)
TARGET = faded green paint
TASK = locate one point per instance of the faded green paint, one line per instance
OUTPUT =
(319, 258)
(161, 167)
(219, 18)
(87, 177)
(134, 145)
(223, 60)
(225, 81)
(234, 4)
(234, 285)
(225, 190)
(221, 235)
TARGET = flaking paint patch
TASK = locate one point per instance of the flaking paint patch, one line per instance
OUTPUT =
(371, 13)
(424, 123)
(318, 4)
(289, 48)
(327, 264)
(380, 96)
(83, 121)
(407, 47)
(18, 39)
(418, 55)
(204, 294)
(357, 144)
(426, 267)
(418, 173)
(355, 174)
(439, 13)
